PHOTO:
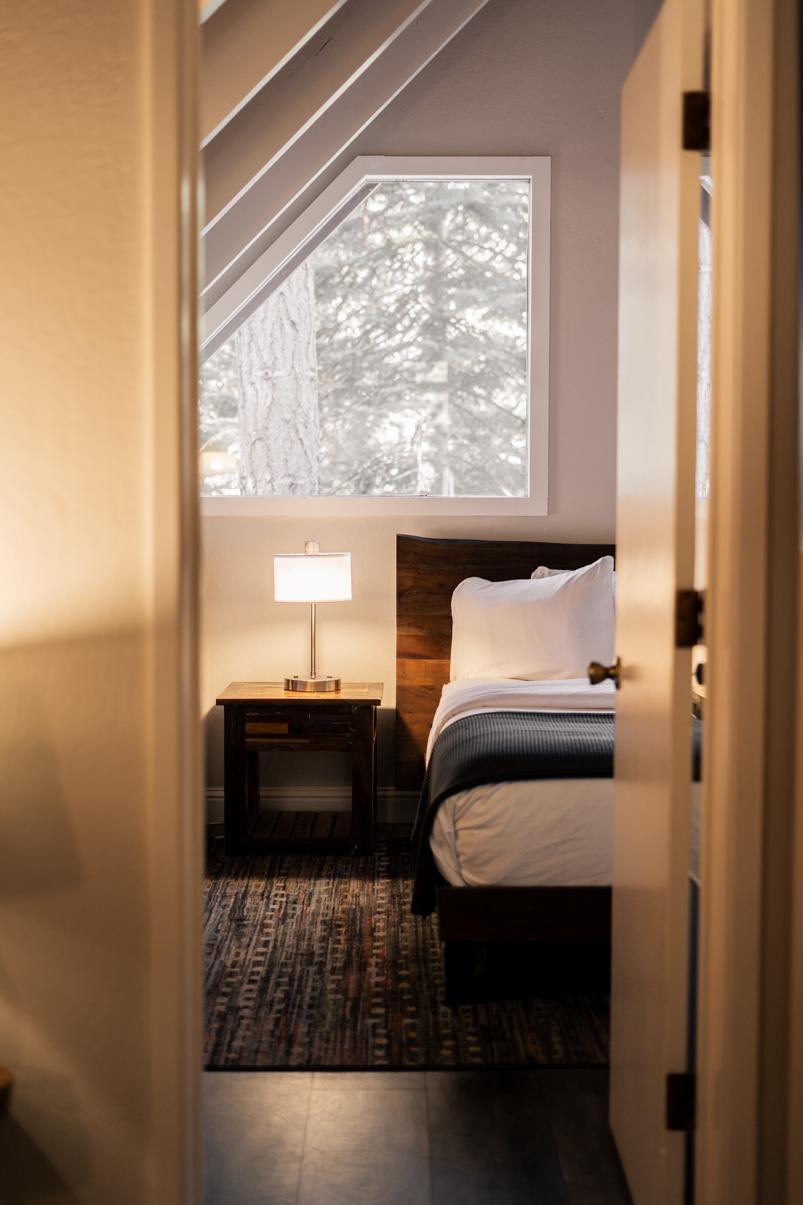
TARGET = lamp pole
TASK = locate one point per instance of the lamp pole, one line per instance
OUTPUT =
(312, 673)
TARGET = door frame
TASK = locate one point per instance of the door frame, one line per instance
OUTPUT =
(171, 280)
(748, 798)
(794, 1190)
(747, 866)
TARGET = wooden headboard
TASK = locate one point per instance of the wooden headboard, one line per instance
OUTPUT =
(427, 572)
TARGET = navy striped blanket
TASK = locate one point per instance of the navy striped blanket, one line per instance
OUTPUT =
(505, 746)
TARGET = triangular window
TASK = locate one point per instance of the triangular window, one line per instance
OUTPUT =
(392, 362)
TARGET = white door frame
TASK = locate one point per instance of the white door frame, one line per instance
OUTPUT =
(176, 827)
(747, 806)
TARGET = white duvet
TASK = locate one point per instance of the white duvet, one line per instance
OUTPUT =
(522, 834)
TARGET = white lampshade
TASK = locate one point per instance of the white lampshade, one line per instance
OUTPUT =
(312, 577)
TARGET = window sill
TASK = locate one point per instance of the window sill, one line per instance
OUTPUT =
(240, 507)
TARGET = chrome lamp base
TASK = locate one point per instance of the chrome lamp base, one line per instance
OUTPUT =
(313, 681)
(316, 683)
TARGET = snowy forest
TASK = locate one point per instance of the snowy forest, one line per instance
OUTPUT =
(393, 361)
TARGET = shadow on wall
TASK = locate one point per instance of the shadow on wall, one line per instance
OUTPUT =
(38, 851)
(28, 1175)
(73, 889)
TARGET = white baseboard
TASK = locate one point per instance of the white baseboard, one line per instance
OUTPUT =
(393, 807)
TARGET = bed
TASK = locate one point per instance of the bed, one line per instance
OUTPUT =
(519, 870)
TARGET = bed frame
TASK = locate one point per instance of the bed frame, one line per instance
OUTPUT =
(485, 929)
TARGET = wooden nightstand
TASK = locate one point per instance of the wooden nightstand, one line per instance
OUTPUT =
(260, 717)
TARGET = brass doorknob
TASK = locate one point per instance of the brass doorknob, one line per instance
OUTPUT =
(599, 673)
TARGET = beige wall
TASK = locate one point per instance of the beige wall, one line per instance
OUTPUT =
(93, 1018)
(524, 77)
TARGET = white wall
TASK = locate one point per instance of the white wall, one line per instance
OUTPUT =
(94, 1020)
(525, 77)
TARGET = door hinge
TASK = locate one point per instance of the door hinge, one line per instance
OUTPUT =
(681, 1094)
(689, 607)
(697, 121)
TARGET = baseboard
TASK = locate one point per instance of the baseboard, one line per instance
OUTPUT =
(393, 807)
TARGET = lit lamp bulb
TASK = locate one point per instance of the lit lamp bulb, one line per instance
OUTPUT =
(312, 576)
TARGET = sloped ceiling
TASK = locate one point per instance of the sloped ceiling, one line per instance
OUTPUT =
(286, 86)
(244, 43)
(319, 73)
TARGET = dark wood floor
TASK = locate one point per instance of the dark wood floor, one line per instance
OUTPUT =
(410, 1138)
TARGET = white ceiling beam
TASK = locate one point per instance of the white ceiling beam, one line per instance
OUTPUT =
(348, 188)
(207, 7)
(327, 66)
(244, 44)
(247, 228)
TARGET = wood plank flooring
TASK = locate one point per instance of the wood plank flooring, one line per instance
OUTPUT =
(410, 1138)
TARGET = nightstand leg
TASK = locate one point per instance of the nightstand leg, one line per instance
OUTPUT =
(252, 789)
(235, 801)
(363, 780)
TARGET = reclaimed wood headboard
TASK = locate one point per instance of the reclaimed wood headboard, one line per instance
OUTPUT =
(427, 572)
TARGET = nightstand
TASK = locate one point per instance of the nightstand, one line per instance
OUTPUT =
(263, 717)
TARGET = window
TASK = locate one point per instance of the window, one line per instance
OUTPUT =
(399, 357)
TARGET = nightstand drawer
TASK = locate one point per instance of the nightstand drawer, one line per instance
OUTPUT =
(297, 727)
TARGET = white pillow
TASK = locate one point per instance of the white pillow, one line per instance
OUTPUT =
(548, 627)
(542, 572)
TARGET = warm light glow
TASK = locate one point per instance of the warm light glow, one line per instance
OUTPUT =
(320, 577)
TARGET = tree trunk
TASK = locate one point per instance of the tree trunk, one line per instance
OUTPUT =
(279, 422)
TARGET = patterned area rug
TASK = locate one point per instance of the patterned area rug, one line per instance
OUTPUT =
(315, 962)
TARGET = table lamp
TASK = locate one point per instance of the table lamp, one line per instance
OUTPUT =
(312, 576)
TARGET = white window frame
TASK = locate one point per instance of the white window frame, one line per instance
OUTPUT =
(300, 238)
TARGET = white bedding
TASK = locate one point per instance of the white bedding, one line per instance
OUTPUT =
(523, 834)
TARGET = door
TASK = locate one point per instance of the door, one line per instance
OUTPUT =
(655, 558)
